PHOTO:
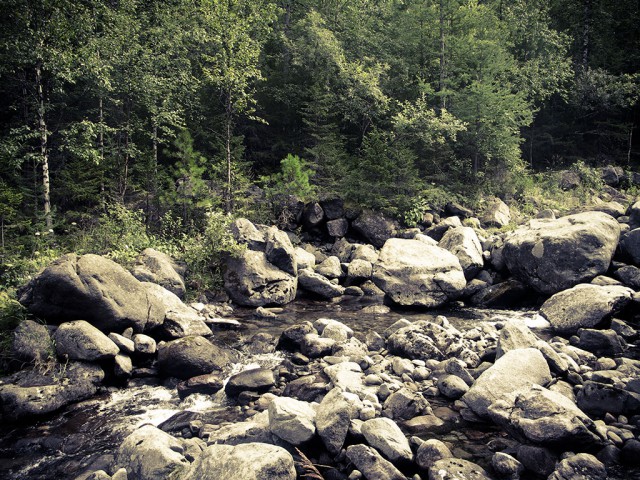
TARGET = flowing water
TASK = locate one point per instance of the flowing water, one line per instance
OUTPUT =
(65, 444)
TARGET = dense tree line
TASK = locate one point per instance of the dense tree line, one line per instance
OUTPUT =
(183, 105)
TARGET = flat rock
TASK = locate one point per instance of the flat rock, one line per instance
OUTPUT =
(192, 356)
(257, 380)
(456, 469)
(584, 306)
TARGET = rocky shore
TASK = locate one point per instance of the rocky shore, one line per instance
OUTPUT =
(369, 405)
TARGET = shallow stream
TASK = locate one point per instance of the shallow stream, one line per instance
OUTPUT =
(85, 434)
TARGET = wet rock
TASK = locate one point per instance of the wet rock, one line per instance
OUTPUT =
(371, 464)
(157, 267)
(91, 288)
(463, 242)
(544, 417)
(514, 370)
(553, 255)
(292, 420)
(333, 329)
(599, 342)
(280, 251)
(255, 380)
(415, 274)
(374, 227)
(384, 435)
(598, 398)
(31, 342)
(31, 393)
(430, 451)
(507, 466)
(82, 341)
(192, 356)
(205, 384)
(292, 337)
(455, 469)
(425, 425)
(584, 306)
(496, 214)
(581, 465)
(149, 453)
(251, 280)
(318, 284)
(249, 461)
(334, 415)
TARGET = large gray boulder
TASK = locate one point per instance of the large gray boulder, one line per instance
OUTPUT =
(248, 461)
(157, 267)
(255, 380)
(91, 288)
(464, 243)
(30, 393)
(192, 356)
(630, 244)
(513, 371)
(292, 420)
(245, 233)
(553, 255)
(413, 273)
(150, 454)
(251, 280)
(82, 341)
(544, 417)
(584, 306)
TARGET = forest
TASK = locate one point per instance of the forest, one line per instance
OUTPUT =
(125, 123)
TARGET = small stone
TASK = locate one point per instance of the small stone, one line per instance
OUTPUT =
(144, 344)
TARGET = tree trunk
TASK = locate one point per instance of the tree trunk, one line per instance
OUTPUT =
(229, 204)
(103, 200)
(441, 87)
(586, 33)
(44, 154)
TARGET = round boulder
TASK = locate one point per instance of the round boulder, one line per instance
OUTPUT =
(80, 340)
(553, 255)
(413, 273)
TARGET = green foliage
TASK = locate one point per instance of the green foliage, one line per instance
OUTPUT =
(293, 179)
(11, 314)
(204, 253)
(433, 198)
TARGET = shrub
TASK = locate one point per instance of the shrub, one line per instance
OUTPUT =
(293, 179)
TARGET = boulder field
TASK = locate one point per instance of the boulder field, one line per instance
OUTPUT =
(371, 404)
